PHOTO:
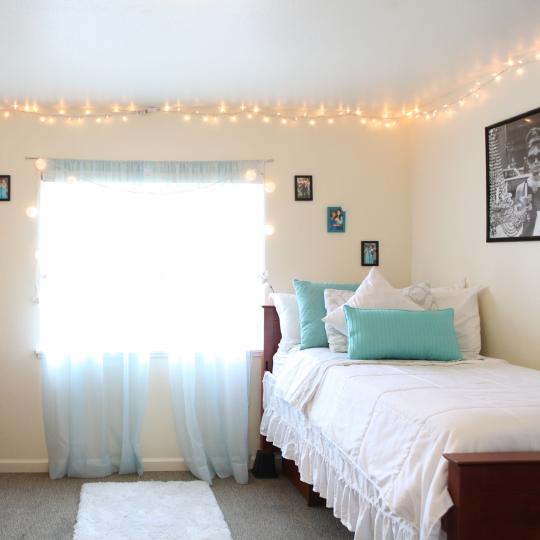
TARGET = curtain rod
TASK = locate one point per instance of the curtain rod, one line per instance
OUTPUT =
(269, 160)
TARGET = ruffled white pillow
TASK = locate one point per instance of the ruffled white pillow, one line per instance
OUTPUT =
(333, 299)
(289, 320)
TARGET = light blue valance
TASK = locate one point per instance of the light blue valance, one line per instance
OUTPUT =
(193, 172)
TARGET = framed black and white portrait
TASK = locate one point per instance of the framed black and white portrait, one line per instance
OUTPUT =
(513, 179)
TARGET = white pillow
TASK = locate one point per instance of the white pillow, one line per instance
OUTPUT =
(380, 299)
(464, 302)
(333, 299)
(420, 294)
(289, 320)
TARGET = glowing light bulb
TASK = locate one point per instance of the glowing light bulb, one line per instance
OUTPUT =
(167, 108)
(266, 120)
(461, 102)
(312, 122)
(32, 212)
(124, 118)
(26, 108)
(51, 120)
(269, 229)
(222, 109)
(87, 112)
(498, 77)
(250, 116)
(269, 187)
(283, 121)
(187, 117)
(6, 114)
(61, 111)
(205, 119)
(42, 119)
(358, 112)
(256, 109)
(98, 120)
(251, 175)
(233, 119)
(330, 120)
(40, 164)
(116, 109)
(510, 62)
(538, 56)
(520, 71)
(71, 180)
(363, 121)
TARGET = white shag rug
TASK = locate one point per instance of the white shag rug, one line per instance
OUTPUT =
(149, 511)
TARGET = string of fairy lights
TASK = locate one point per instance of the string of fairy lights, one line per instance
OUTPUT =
(216, 113)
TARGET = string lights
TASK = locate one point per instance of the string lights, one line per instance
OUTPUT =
(212, 114)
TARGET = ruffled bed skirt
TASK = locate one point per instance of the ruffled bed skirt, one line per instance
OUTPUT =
(353, 498)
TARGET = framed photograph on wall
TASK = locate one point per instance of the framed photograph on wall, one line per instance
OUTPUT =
(370, 252)
(513, 179)
(335, 219)
(303, 188)
(5, 188)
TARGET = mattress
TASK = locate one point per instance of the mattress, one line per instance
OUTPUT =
(369, 436)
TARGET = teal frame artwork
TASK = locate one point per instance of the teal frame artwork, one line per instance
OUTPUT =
(335, 219)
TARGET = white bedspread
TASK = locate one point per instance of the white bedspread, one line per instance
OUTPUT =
(379, 430)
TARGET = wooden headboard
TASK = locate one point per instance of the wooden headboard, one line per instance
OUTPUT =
(272, 335)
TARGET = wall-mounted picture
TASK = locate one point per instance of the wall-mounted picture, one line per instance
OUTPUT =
(5, 187)
(303, 188)
(335, 219)
(370, 253)
(513, 179)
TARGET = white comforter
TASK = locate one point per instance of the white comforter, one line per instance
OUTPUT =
(394, 420)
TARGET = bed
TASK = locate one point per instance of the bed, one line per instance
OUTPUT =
(408, 450)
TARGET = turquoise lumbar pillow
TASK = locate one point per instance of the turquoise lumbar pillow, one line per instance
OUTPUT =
(311, 310)
(401, 335)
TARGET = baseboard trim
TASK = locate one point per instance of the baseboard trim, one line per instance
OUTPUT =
(41, 465)
(36, 465)
(164, 464)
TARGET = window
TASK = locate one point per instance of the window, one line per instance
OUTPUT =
(151, 269)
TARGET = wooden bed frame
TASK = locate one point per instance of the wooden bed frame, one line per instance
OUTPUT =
(496, 495)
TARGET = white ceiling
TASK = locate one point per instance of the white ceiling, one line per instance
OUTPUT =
(371, 53)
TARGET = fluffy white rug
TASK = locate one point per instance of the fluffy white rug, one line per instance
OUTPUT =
(149, 511)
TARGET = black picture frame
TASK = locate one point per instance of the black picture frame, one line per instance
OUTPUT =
(5, 188)
(509, 146)
(374, 260)
(303, 187)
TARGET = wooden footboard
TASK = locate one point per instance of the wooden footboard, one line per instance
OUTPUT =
(496, 495)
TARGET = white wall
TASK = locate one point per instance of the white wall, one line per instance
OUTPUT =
(365, 170)
(448, 220)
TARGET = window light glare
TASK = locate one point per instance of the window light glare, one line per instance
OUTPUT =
(269, 229)
(71, 179)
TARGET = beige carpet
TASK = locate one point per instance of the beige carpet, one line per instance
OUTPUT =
(33, 507)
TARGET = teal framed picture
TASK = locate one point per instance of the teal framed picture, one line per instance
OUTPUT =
(335, 219)
(5, 188)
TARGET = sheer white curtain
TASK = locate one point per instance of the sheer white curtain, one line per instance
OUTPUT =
(138, 259)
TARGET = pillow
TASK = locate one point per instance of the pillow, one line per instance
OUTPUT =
(420, 294)
(464, 302)
(310, 297)
(287, 309)
(376, 293)
(334, 298)
(401, 335)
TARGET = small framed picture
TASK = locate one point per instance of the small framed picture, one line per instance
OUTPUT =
(370, 253)
(5, 187)
(335, 220)
(303, 188)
